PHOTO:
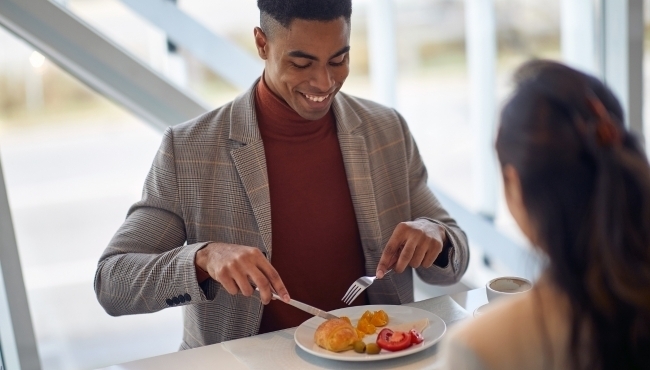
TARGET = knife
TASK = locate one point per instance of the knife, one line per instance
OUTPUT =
(305, 307)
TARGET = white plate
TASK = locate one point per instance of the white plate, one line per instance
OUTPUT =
(304, 335)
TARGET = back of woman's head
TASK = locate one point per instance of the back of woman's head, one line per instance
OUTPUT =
(585, 185)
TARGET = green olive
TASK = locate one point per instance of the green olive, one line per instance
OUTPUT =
(372, 348)
(359, 346)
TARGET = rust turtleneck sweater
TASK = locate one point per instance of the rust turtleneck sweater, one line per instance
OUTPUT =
(316, 247)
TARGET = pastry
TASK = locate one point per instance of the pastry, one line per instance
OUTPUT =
(336, 335)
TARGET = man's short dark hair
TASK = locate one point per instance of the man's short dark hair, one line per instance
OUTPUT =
(285, 11)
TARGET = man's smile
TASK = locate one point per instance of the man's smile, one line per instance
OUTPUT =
(316, 98)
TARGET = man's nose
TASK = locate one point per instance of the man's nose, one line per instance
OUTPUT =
(322, 79)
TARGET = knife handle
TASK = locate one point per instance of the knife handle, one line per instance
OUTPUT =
(274, 295)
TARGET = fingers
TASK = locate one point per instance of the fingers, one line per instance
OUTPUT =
(432, 253)
(415, 244)
(240, 269)
(406, 256)
(267, 280)
(429, 259)
(263, 285)
(273, 278)
(390, 254)
(243, 283)
(418, 255)
(227, 282)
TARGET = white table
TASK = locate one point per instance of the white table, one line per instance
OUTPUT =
(217, 357)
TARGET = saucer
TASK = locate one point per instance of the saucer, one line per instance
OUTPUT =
(481, 310)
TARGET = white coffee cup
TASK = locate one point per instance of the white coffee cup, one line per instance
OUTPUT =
(506, 286)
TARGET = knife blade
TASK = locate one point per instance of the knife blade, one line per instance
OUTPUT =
(305, 307)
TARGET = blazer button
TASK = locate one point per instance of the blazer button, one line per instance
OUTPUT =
(176, 301)
(181, 298)
(169, 302)
(187, 297)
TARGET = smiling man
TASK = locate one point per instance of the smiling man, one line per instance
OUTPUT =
(293, 187)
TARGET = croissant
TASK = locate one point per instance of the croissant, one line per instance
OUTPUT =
(335, 335)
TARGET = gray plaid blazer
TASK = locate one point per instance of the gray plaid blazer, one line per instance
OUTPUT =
(208, 182)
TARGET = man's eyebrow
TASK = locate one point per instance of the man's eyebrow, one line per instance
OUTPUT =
(302, 54)
(342, 51)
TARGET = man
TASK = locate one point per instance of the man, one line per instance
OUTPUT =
(292, 187)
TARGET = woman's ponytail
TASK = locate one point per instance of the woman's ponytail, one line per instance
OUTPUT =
(586, 188)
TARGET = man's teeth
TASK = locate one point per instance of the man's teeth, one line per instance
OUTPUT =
(316, 98)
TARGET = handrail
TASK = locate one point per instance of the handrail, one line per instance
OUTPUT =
(19, 349)
(223, 57)
(104, 66)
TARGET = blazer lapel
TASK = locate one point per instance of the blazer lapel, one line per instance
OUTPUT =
(250, 161)
(357, 168)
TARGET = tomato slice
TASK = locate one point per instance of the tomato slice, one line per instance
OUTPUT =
(416, 338)
(393, 340)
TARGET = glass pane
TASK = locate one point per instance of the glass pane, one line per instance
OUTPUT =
(149, 44)
(74, 163)
(526, 30)
(646, 71)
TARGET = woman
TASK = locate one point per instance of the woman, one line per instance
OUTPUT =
(578, 185)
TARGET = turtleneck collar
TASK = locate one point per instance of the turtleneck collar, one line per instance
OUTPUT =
(277, 120)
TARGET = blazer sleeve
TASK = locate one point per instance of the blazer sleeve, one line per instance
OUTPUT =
(146, 266)
(424, 205)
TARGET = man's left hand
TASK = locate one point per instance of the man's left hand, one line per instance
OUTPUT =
(415, 243)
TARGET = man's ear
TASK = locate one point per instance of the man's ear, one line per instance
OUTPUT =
(261, 43)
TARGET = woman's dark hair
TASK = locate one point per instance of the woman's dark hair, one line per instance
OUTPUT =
(586, 187)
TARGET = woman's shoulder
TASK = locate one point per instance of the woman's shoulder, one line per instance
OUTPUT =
(507, 336)
(499, 320)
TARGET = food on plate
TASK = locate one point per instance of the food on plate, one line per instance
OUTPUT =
(418, 325)
(365, 326)
(401, 336)
(379, 318)
(372, 349)
(416, 337)
(336, 335)
(398, 340)
(393, 340)
(360, 334)
(370, 320)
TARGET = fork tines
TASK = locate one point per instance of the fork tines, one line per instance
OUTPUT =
(352, 293)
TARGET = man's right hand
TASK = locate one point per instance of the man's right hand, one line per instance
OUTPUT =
(235, 267)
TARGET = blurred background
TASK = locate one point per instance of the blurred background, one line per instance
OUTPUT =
(75, 161)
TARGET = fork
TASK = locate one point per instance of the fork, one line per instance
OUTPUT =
(358, 287)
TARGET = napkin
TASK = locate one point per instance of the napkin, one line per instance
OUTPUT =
(278, 350)
(445, 307)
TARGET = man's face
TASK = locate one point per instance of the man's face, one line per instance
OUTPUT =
(307, 63)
